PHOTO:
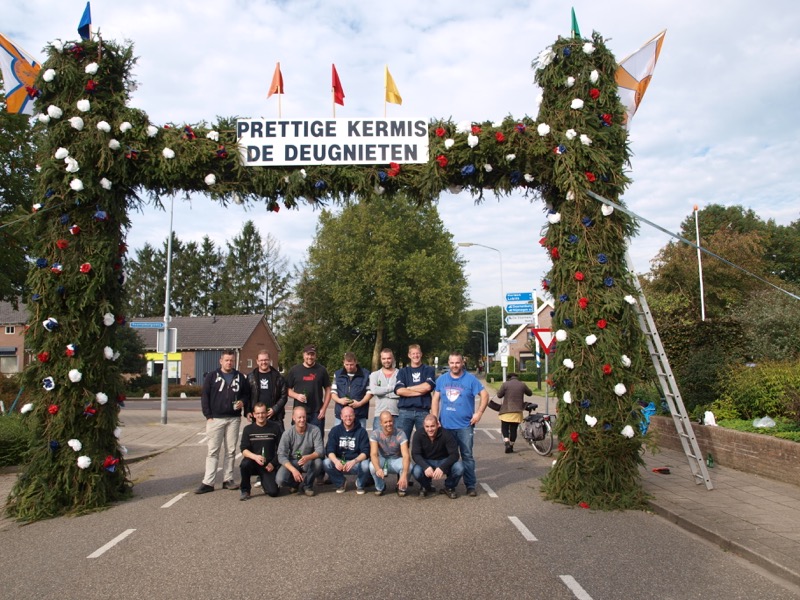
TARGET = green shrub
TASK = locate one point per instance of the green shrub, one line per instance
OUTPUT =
(784, 428)
(768, 389)
(174, 391)
(9, 388)
(15, 439)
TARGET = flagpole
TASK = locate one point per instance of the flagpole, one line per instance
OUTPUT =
(279, 104)
(333, 98)
(699, 263)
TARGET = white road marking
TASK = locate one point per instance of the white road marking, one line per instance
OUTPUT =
(489, 490)
(489, 433)
(111, 544)
(575, 587)
(526, 533)
(174, 500)
(202, 442)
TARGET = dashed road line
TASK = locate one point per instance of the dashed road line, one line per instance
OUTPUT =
(575, 587)
(526, 533)
(111, 544)
(489, 491)
(489, 433)
(174, 500)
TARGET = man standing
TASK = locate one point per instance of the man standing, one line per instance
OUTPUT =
(389, 453)
(268, 386)
(381, 387)
(513, 393)
(260, 453)
(435, 454)
(350, 389)
(454, 403)
(225, 393)
(300, 454)
(348, 450)
(310, 386)
(414, 385)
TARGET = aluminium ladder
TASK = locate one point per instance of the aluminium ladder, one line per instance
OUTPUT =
(669, 386)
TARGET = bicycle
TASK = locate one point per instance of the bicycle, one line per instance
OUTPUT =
(537, 430)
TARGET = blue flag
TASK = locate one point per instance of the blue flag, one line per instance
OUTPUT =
(85, 26)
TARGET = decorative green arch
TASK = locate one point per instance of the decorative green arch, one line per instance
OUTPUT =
(98, 155)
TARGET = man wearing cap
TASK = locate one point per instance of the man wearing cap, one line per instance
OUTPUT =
(310, 386)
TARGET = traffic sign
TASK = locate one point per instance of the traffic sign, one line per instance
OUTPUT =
(147, 324)
(516, 309)
(519, 297)
(546, 339)
(519, 320)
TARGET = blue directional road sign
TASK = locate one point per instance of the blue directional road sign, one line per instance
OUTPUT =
(519, 309)
(519, 297)
(147, 324)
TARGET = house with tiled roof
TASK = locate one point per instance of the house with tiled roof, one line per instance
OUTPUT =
(522, 348)
(12, 339)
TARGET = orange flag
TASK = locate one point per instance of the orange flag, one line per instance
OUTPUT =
(338, 92)
(276, 87)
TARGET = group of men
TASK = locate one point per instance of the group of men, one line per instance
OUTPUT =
(442, 410)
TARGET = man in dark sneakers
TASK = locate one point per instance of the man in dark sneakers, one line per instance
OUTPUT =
(260, 453)
(435, 454)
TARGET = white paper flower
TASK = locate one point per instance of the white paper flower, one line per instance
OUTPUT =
(116, 356)
(448, 143)
(61, 153)
(567, 397)
(606, 210)
(168, 153)
(553, 464)
(464, 127)
(113, 144)
(26, 408)
(594, 76)
(104, 126)
(590, 421)
(54, 112)
(571, 134)
(510, 157)
(303, 173)
(528, 177)
(210, 179)
(91, 68)
(627, 431)
(539, 100)
(38, 168)
(125, 126)
(577, 104)
(626, 362)
(570, 195)
(108, 352)
(101, 398)
(554, 218)
(72, 165)
(591, 339)
(620, 389)
(379, 189)
(455, 189)
(586, 140)
(568, 363)
(630, 299)
(49, 75)
(84, 462)
(545, 57)
(76, 185)
(213, 136)
(84, 105)
(57, 45)
(570, 81)
(43, 118)
(152, 131)
(108, 319)
(75, 445)
(117, 432)
(543, 129)
(285, 179)
(75, 376)
(561, 335)
(105, 184)
(123, 449)
(487, 167)
(588, 48)
(76, 122)
(472, 140)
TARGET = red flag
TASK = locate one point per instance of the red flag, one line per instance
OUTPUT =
(338, 92)
(276, 87)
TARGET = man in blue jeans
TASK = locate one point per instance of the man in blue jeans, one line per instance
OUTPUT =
(435, 454)
(414, 385)
(348, 452)
(453, 401)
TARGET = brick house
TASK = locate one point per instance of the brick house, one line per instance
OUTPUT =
(13, 357)
(523, 349)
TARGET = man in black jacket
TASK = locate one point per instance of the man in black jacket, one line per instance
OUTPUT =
(225, 393)
(267, 386)
(260, 453)
(435, 454)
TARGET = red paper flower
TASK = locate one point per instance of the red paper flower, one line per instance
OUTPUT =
(549, 382)
(602, 323)
(606, 369)
(440, 132)
(276, 207)
(590, 176)
(85, 268)
(574, 436)
(122, 249)
(475, 130)
(500, 137)
(110, 461)
(442, 160)
(71, 350)
(554, 252)
(594, 93)
(121, 399)
(561, 447)
(543, 242)
(606, 118)
(394, 170)
(43, 357)
(62, 244)
(578, 276)
(89, 411)
(222, 152)
(583, 303)
(74, 230)
(583, 505)
(120, 319)
(90, 85)
(520, 127)
(52, 409)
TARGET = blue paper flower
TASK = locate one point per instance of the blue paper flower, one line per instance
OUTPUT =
(568, 323)
(60, 290)
(563, 297)
(567, 51)
(602, 259)
(41, 263)
(606, 426)
(54, 446)
(100, 215)
(608, 281)
(585, 404)
(382, 176)
(587, 222)
(36, 297)
(49, 193)
(48, 383)
(467, 170)
(560, 149)
(320, 185)
(573, 239)
(64, 219)
(515, 177)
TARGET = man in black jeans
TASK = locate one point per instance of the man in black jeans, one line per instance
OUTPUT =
(260, 453)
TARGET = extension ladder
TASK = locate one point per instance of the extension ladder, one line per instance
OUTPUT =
(669, 387)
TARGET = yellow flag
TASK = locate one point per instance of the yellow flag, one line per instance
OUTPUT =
(634, 74)
(392, 93)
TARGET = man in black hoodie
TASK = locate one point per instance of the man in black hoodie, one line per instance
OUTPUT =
(435, 454)
(268, 386)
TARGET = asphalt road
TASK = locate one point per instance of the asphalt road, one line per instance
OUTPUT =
(506, 543)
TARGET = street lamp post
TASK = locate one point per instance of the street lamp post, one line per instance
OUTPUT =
(484, 339)
(503, 361)
(485, 334)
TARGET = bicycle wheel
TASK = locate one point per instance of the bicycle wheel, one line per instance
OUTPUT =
(544, 446)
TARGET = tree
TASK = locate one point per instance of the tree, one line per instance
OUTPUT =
(209, 265)
(277, 283)
(380, 284)
(243, 275)
(783, 248)
(146, 285)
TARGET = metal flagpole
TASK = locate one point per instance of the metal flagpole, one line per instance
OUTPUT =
(165, 371)
(699, 263)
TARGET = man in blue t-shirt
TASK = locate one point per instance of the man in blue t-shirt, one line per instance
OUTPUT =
(453, 402)
(414, 386)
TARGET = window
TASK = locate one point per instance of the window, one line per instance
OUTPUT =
(8, 364)
(249, 363)
(10, 330)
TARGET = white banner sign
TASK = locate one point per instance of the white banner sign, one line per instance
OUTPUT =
(298, 143)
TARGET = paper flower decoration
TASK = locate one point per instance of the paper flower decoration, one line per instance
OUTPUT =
(26, 408)
(630, 299)
(108, 319)
(467, 170)
(571, 196)
(620, 389)
(554, 252)
(105, 184)
(104, 126)
(71, 350)
(91, 68)
(43, 357)
(570, 134)
(560, 149)
(576, 104)
(627, 431)
(586, 140)
(588, 48)
(43, 118)
(510, 157)
(626, 362)
(543, 129)
(210, 179)
(591, 339)
(48, 383)
(110, 463)
(602, 323)
(608, 281)
(448, 143)
(50, 324)
(568, 323)
(72, 165)
(101, 398)
(100, 215)
(594, 93)
(49, 75)
(568, 363)
(569, 82)
(472, 140)
(89, 411)
(84, 105)
(464, 127)
(590, 421)
(41, 263)
(75, 376)
(52, 409)
(561, 335)
(86, 268)
(545, 57)
(487, 167)
(75, 229)
(567, 397)
(578, 276)
(168, 153)
(76, 122)
(75, 445)
(574, 436)
(54, 112)
(379, 189)
(606, 210)
(499, 137)
(607, 369)
(84, 462)
(554, 217)
(61, 153)
(125, 126)
(113, 144)
(117, 432)
(594, 76)
(76, 185)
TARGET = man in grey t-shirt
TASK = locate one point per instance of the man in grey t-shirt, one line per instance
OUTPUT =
(381, 387)
(300, 454)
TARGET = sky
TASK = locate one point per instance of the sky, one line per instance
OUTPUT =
(718, 124)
